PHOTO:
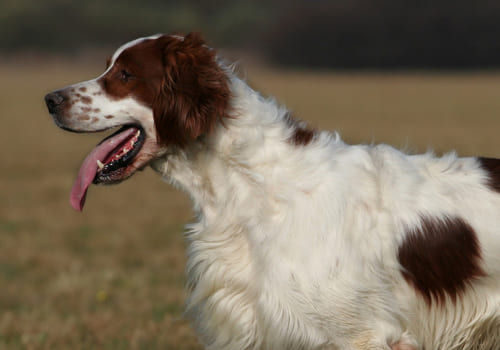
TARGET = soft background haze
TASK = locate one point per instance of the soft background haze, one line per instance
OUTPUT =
(418, 75)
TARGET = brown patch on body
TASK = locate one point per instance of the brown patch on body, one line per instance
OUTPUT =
(492, 167)
(83, 89)
(179, 79)
(109, 116)
(440, 258)
(302, 135)
(83, 117)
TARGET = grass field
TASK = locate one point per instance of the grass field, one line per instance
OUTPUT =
(112, 276)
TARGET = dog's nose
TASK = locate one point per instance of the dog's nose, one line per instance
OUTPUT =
(54, 101)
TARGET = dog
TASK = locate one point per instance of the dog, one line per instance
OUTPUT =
(301, 241)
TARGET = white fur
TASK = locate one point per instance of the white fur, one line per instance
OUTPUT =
(295, 247)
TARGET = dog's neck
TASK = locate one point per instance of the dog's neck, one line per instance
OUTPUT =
(239, 158)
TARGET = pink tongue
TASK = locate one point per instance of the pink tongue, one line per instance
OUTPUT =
(89, 166)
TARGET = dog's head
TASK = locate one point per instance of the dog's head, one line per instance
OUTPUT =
(163, 91)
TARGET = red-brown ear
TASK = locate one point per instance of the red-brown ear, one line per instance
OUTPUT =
(194, 94)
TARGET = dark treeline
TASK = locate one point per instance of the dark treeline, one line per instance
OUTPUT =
(389, 34)
(305, 33)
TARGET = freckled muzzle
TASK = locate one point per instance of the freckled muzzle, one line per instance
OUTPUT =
(113, 159)
(72, 110)
(58, 103)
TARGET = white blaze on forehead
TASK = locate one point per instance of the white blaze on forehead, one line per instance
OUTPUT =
(122, 48)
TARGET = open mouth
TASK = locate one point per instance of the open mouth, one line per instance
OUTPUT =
(111, 161)
(111, 168)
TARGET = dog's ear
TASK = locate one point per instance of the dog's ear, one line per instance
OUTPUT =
(194, 94)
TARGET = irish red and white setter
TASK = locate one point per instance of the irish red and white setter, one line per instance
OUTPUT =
(301, 241)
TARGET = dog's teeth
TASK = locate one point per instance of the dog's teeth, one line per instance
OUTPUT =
(99, 164)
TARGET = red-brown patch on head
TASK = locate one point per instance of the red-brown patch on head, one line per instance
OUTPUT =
(136, 72)
(492, 167)
(301, 135)
(440, 258)
(179, 78)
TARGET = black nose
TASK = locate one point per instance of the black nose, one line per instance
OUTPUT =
(54, 101)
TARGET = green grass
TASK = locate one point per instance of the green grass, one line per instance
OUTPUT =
(112, 276)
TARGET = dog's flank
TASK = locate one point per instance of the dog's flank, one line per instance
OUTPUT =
(301, 241)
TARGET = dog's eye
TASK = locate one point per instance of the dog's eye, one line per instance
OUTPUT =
(124, 75)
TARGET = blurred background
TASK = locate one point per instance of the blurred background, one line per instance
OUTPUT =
(418, 75)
